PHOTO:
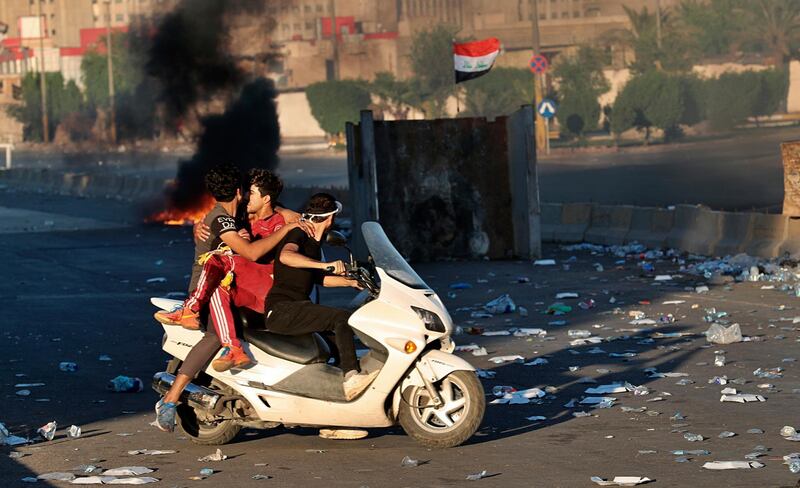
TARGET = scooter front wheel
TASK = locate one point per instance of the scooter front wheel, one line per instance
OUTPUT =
(452, 423)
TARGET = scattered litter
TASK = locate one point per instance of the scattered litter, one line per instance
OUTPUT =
(407, 462)
(755, 431)
(558, 308)
(718, 334)
(74, 432)
(501, 304)
(587, 304)
(513, 397)
(788, 431)
(693, 437)
(695, 452)
(58, 476)
(673, 302)
(206, 472)
(611, 388)
(742, 398)
(10, 440)
(578, 334)
(529, 331)
(28, 385)
(663, 278)
(732, 465)
(24, 393)
(516, 358)
(158, 279)
(535, 418)
(467, 348)
(621, 481)
(16, 454)
(217, 456)
(726, 434)
(477, 476)
(601, 402)
(565, 295)
(544, 262)
(581, 414)
(771, 374)
(486, 374)
(127, 471)
(67, 366)
(719, 360)
(537, 362)
(29, 479)
(493, 333)
(125, 384)
(151, 452)
(261, 477)
(701, 289)
(48, 430)
(104, 357)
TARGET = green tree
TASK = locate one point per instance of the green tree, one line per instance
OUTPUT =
(713, 27)
(334, 103)
(772, 27)
(499, 92)
(395, 97)
(734, 97)
(62, 99)
(652, 99)
(432, 63)
(580, 83)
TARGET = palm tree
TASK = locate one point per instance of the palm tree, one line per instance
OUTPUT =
(774, 25)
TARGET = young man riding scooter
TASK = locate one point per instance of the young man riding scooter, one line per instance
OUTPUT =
(298, 267)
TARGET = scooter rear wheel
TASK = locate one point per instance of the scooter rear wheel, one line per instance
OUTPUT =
(191, 421)
(452, 423)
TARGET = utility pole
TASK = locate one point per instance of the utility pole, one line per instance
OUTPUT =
(658, 24)
(110, 63)
(541, 131)
(42, 82)
(335, 31)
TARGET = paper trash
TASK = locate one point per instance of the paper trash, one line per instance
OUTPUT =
(127, 471)
(621, 481)
(507, 359)
(604, 389)
(732, 465)
(217, 456)
(742, 398)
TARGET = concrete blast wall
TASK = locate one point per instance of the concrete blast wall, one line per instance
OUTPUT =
(689, 228)
(449, 187)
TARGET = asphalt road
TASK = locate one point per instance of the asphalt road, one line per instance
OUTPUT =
(74, 295)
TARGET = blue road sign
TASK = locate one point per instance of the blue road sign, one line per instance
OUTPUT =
(547, 108)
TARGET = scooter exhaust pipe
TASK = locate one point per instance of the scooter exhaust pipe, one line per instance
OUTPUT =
(196, 396)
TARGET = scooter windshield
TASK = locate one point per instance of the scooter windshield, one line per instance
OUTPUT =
(387, 258)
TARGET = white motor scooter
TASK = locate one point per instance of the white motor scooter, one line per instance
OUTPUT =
(434, 395)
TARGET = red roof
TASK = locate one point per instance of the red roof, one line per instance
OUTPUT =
(92, 37)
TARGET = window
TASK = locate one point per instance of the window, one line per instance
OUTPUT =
(576, 13)
(542, 16)
(285, 27)
(564, 15)
(53, 32)
(297, 26)
(319, 8)
(309, 25)
(307, 8)
(554, 15)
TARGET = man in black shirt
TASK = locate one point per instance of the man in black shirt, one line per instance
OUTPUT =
(298, 267)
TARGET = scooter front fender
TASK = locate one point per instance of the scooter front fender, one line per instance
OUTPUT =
(435, 365)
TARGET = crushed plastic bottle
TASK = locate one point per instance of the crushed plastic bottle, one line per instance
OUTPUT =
(693, 437)
(578, 334)
(719, 360)
(206, 472)
(408, 462)
(125, 384)
(74, 432)
(788, 431)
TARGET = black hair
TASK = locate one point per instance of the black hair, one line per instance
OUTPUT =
(222, 181)
(267, 183)
(321, 203)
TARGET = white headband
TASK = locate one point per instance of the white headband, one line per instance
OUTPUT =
(326, 214)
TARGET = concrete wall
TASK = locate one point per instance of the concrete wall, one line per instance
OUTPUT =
(689, 228)
(294, 116)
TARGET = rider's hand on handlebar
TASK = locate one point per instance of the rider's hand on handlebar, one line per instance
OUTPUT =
(201, 232)
(355, 284)
(339, 268)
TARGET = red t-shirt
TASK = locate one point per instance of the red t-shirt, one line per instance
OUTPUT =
(262, 228)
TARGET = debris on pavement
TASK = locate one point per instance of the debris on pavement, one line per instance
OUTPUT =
(125, 384)
(48, 430)
(508, 395)
(6, 439)
(408, 462)
(217, 456)
(719, 334)
(67, 366)
(500, 305)
(742, 398)
(157, 279)
(74, 432)
(127, 471)
(57, 476)
(544, 262)
(477, 476)
(151, 452)
(621, 481)
(732, 465)
(514, 358)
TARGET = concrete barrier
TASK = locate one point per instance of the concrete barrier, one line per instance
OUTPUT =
(575, 218)
(650, 226)
(696, 229)
(609, 224)
(551, 218)
(735, 232)
(772, 229)
(768, 235)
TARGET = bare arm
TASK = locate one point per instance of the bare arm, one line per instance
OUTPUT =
(289, 216)
(339, 281)
(254, 250)
(290, 256)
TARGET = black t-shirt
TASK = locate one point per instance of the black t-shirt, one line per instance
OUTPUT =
(295, 284)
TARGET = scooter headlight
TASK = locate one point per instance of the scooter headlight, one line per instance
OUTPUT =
(431, 320)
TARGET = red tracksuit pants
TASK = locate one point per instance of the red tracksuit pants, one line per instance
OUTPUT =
(251, 283)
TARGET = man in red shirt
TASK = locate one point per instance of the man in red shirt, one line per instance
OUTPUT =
(226, 278)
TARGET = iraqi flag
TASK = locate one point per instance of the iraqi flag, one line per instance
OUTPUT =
(474, 59)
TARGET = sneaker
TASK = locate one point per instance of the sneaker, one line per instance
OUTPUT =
(231, 357)
(355, 383)
(165, 416)
(184, 317)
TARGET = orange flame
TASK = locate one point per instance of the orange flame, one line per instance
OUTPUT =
(175, 216)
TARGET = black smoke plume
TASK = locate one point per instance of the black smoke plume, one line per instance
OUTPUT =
(247, 135)
(191, 59)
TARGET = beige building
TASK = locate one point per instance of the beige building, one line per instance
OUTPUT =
(375, 35)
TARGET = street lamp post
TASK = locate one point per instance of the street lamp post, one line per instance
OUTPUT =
(110, 64)
(42, 81)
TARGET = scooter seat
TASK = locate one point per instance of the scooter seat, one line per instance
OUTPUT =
(302, 349)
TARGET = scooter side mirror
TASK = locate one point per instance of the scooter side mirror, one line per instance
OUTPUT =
(336, 238)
